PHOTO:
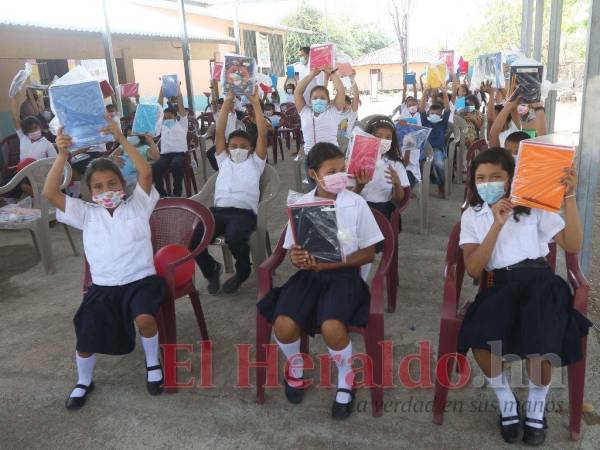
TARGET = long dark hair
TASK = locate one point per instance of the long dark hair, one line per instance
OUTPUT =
(497, 156)
(102, 165)
(382, 121)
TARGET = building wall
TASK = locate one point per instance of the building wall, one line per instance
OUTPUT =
(391, 76)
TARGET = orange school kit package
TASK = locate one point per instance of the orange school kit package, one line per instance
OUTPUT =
(540, 167)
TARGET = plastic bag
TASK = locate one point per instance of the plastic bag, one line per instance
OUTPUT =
(448, 57)
(363, 152)
(217, 71)
(80, 108)
(463, 66)
(321, 55)
(412, 137)
(410, 78)
(238, 75)
(540, 167)
(314, 227)
(170, 85)
(129, 90)
(148, 119)
(436, 74)
(460, 103)
(19, 80)
(343, 62)
(488, 68)
(106, 88)
(290, 71)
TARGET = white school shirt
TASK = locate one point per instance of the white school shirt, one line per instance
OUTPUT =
(42, 148)
(231, 123)
(379, 190)
(321, 128)
(174, 139)
(526, 239)
(118, 247)
(357, 227)
(238, 184)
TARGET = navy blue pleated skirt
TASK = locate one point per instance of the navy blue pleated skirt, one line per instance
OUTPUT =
(529, 312)
(310, 298)
(104, 323)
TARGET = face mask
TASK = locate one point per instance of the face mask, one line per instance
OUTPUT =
(303, 60)
(109, 199)
(238, 155)
(413, 109)
(470, 108)
(268, 113)
(491, 192)
(134, 140)
(34, 136)
(460, 103)
(289, 91)
(523, 109)
(169, 123)
(384, 146)
(434, 118)
(335, 183)
(319, 106)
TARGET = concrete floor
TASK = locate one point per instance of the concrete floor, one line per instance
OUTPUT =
(37, 366)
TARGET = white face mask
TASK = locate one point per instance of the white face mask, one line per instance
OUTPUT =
(384, 146)
(238, 155)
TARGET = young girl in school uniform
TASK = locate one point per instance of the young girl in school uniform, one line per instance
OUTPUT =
(528, 311)
(326, 296)
(237, 192)
(116, 240)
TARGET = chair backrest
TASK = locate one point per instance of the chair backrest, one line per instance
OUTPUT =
(193, 125)
(9, 154)
(291, 118)
(473, 151)
(284, 107)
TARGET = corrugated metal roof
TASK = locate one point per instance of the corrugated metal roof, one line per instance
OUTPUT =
(87, 16)
(392, 55)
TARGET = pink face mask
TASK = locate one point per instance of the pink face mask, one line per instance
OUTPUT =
(523, 109)
(335, 183)
(109, 199)
(35, 136)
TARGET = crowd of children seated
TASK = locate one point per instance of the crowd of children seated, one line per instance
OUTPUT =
(528, 309)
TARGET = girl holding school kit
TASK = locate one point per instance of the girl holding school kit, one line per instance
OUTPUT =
(528, 311)
(326, 296)
(117, 244)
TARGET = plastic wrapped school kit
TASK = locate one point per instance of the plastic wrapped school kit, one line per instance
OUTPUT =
(411, 137)
(148, 119)
(343, 62)
(321, 55)
(217, 71)
(540, 167)
(314, 227)
(410, 78)
(238, 75)
(106, 88)
(437, 74)
(19, 80)
(463, 66)
(169, 85)
(363, 152)
(448, 57)
(129, 89)
(488, 68)
(79, 107)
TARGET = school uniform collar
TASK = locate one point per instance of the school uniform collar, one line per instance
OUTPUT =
(343, 199)
(485, 209)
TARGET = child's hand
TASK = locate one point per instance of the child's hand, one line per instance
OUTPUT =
(362, 177)
(117, 160)
(112, 127)
(63, 142)
(502, 210)
(298, 256)
(392, 177)
(569, 180)
(229, 97)
(254, 98)
(312, 264)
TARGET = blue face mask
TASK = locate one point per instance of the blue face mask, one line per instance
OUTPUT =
(460, 103)
(169, 123)
(470, 108)
(434, 118)
(319, 105)
(491, 192)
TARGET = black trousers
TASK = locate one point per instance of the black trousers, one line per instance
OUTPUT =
(237, 225)
(385, 208)
(174, 161)
(212, 158)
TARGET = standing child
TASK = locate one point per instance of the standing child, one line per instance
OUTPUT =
(528, 311)
(118, 248)
(349, 116)
(325, 296)
(237, 192)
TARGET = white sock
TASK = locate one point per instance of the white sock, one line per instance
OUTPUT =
(536, 404)
(151, 351)
(507, 403)
(345, 374)
(85, 371)
(297, 365)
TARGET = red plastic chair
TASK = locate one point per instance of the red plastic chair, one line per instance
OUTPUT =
(452, 317)
(372, 334)
(10, 154)
(393, 281)
(290, 125)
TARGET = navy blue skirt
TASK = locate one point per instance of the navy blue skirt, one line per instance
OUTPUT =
(104, 323)
(530, 312)
(310, 298)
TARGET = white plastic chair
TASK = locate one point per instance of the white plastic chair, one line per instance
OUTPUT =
(36, 173)
(260, 242)
(421, 190)
(461, 154)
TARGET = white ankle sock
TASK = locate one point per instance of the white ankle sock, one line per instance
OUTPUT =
(296, 366)
(85, 372)
(536, 404)
(345, 374)
(507, 403)
(151, 350)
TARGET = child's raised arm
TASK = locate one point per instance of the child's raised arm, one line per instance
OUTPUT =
(340, 92)
(571, 237)
(500, 121)
(299, 91)
(220, 139)
(54, 179)
(261, 125)
(183, 113)
(355, 93)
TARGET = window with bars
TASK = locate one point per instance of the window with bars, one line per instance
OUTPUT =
(249, 43)
(277, 58)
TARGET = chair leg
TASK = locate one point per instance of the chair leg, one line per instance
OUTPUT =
(195, 299)
(75, 252)
(35, 244)
(42, 236)
(373, 336)
(263, 337)
(268, 243)
(304, 344)
(447, 344)
(576, 388)
(392, 283)
(227, 259)
(170, 328)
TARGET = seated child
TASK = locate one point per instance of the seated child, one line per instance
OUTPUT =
(145, 146)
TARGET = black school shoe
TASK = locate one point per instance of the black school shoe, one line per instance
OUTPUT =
(214, 281)
(294, 395)
(534, 436)
(232, 285)
(511, 433)
(154, 387)
(74, 403)
(342, 411)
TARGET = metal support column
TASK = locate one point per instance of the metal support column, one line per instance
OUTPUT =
(236, 29)
(185, 48)
(539, 27)
(589, 153)
(526, 27)
(553, 58)
(111, 65)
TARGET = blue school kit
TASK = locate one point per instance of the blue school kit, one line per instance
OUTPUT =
(169, 85)
(146, 119)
